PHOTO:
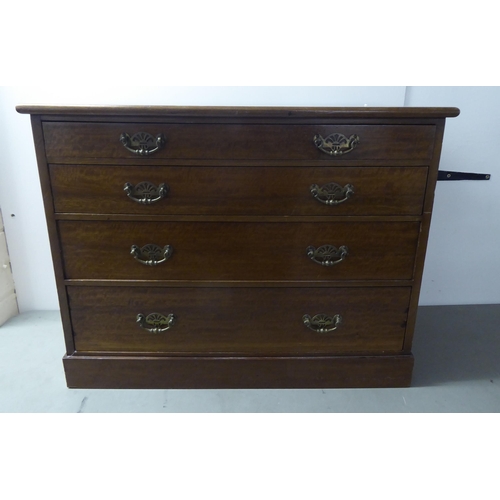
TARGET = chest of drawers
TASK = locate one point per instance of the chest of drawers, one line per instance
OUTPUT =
(238, 247)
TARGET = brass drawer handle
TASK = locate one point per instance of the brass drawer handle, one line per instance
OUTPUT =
(155, 322)
(151, 255)
(336, 144)
(145, 192)
(332, 194)
(322, 323)
(327, 255)
(142, 143)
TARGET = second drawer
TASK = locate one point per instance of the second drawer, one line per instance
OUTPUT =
(238, 190)
(219, 251)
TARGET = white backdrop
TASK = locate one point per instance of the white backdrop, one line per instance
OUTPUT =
(461, 265)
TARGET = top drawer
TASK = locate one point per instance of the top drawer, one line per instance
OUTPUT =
(72, 140)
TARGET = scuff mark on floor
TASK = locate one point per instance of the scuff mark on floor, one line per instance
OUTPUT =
(82, 404)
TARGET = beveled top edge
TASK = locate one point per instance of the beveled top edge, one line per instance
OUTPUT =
(241, 111)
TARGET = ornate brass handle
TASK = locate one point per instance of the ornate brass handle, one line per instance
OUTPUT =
(336, 144)
(151, 255)
(332, 194)
(327, 255)
(155, 322)
(142, 143)
(145, 192)
(322, 323)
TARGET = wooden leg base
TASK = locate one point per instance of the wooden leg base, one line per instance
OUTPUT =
(113, 372)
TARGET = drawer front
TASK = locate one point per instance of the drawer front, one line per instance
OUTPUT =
(75, 140)
(247, 321)
(239, 190)
(239, 250)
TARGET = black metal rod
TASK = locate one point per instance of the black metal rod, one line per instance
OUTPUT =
(447, 175)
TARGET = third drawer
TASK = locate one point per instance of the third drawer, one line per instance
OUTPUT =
(238, 190)
(219, 251)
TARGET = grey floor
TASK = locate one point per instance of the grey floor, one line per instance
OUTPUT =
(457, 369)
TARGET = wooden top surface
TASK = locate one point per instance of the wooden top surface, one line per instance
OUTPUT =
(240, 111)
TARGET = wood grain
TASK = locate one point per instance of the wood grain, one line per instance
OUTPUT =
(245, 112)
(237, 141)
(238, 191)
(114, 372)
(238, 250)
(241, 321)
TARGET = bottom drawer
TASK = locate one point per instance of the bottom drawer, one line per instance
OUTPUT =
(239, 321)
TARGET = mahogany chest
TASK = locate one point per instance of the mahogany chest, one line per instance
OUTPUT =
(214, 247)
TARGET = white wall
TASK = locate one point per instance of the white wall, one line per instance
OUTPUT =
(462, 264)
(453, 273)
